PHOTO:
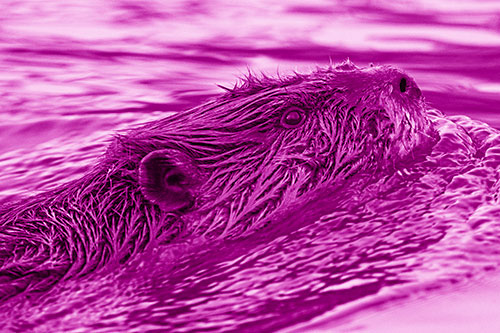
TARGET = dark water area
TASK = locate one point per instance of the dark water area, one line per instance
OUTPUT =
(397, 255)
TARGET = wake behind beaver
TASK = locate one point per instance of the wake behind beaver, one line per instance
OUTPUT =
(264, 150)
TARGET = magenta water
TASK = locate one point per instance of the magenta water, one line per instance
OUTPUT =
(409, 211)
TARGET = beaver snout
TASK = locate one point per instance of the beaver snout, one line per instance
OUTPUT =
(406, 86)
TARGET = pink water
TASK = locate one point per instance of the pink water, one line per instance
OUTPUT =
(420, 255)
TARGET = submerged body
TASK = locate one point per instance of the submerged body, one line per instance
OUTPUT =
(262, 152)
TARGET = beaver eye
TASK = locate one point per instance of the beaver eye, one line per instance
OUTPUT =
(292, 118)
(402, 85)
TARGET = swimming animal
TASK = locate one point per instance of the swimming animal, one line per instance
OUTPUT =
(222, 169)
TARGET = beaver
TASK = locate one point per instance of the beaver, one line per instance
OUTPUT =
(215, 171)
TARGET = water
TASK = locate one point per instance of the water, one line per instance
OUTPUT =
(73, 73)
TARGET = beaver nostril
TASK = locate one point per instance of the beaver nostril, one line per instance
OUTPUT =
(402, 85)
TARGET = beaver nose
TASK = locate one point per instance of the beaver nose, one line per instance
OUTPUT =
(402, 84)
(407, 86)
(416, 92)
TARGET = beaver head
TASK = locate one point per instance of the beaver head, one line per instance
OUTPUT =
(237, 159)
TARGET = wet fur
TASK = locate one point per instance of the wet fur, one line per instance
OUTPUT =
(246, 167)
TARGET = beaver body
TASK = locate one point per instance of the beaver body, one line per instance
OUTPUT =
(219, 170)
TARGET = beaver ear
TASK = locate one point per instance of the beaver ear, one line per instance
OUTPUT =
(166, 178)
